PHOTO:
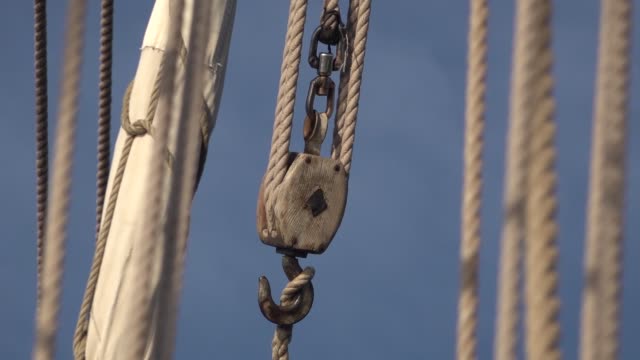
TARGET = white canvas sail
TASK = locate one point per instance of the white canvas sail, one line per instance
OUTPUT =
(110, 324)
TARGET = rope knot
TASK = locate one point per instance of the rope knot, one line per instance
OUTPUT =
(293, 288)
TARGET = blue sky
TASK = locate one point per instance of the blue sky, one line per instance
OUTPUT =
(387, 286)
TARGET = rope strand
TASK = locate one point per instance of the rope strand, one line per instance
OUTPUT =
(542, 303)
(42, 133)
(343, 89)
(347, 134)
(472, 192)
(603, 257)
(104, 112)
(285, 103)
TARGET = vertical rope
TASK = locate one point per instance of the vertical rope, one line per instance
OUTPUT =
(104, 112)
(356, 67)
(286, 99)
(57, 211)
(601, 298)
(472, 192)
(329, 22)
(42, 141)
(512, 237)
(283, 333)
(542, 303)
(343, 87)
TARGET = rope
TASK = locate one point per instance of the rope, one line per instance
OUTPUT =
(469, 249)
(82, 325)
(42, 157)
(57, 211)
(601, 298)
(343, 87)
(356, 67)
(509, 276)
(283, 333)
(104, 112)
(330, 23)
(534, 47)
(285, 103)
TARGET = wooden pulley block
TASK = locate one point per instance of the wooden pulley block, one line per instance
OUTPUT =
(308, 205)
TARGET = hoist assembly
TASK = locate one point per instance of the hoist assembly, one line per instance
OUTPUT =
(303, 195)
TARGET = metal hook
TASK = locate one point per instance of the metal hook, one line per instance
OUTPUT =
(290, 314)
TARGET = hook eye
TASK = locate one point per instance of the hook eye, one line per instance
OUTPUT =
(289, 314)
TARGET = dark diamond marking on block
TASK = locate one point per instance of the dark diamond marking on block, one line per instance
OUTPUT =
(317, 203)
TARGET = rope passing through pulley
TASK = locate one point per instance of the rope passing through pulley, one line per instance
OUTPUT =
(306, 208)
(303, 195)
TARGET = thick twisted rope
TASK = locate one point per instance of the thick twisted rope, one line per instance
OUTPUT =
(285, 103)
(541, 278)
(57, 210)
(356, 68)
(472, 192)
(283, 333)
(343, 87)
(104, 112)
(330, 23)
(42, 141)
(509, 274)
(601, 298)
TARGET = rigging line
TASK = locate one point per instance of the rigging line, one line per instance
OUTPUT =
(42, 133)
(542, 327)
(330, 22)
(512, 238)
(356, 68)
(603, 248)
(57, 210)
(472, 190)
(104, 112)
(343, 87)
(285, 102)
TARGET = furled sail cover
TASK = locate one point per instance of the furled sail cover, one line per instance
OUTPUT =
(109, 327)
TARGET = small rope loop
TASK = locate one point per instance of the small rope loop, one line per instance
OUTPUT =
(138, 127)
